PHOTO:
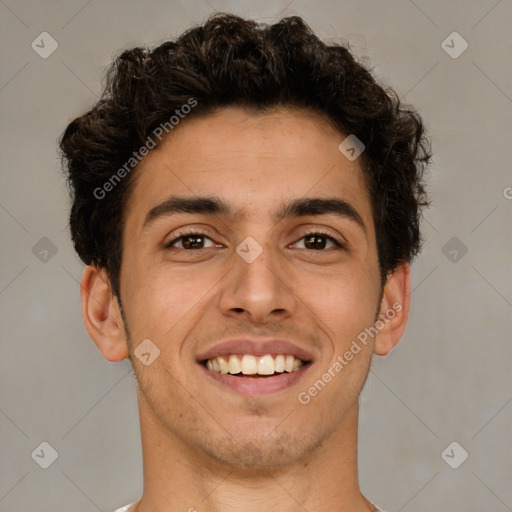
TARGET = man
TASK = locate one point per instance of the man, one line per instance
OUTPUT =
(247, 202)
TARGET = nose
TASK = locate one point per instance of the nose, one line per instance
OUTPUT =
(259, 291)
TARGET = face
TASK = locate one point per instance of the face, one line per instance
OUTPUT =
(267, 266)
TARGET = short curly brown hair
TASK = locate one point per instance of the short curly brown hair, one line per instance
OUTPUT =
(230, 61)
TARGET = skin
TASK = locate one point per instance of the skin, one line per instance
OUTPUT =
(205, 447)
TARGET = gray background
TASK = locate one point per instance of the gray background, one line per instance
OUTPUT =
(449, 378)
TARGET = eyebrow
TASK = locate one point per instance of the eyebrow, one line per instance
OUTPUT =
(216, 206)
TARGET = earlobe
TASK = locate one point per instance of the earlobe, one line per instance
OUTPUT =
(394, 310)
(101, 314)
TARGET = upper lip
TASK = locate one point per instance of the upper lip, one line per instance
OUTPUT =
(256, 348)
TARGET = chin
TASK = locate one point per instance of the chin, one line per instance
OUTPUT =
(264, 452)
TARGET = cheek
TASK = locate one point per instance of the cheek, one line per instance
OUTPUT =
(345, 306)
(345, 302)
(160, 299)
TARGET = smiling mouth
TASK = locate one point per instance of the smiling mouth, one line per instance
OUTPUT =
(251, 366)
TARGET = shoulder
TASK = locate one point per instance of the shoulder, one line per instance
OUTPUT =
(126, 508)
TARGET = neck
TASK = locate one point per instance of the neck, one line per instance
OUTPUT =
(177, 478)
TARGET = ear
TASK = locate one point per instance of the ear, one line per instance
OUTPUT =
(394, 310)
(102, 315)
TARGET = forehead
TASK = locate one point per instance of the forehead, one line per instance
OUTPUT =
(255, 161)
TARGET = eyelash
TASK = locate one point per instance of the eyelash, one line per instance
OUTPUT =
(192, 232)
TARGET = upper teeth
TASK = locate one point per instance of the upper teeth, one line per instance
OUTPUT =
(251, 365)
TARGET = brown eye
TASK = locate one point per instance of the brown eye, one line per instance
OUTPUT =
(315, 242)
(191, 241)
(319, 241)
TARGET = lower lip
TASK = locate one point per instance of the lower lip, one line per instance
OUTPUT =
(251, 386)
